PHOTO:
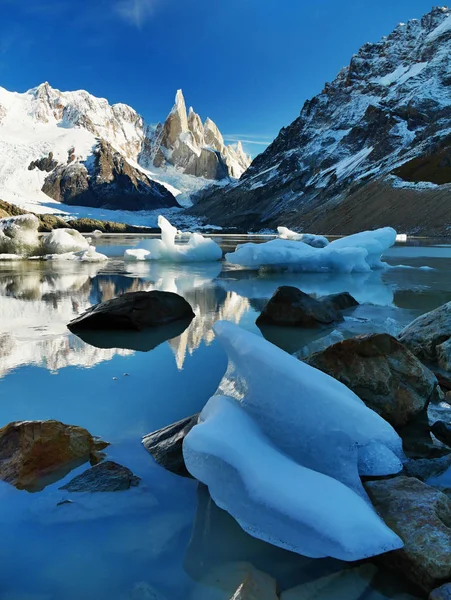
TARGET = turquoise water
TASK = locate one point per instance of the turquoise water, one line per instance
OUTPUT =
(165, 534)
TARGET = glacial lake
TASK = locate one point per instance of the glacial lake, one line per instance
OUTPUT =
(158, 540)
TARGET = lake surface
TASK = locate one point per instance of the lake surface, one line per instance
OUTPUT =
(159, 539)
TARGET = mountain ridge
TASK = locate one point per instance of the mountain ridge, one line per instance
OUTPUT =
(391, 105)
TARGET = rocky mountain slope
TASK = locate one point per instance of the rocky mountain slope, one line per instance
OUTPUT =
(194, 147)
(372, 149)
(74, 148)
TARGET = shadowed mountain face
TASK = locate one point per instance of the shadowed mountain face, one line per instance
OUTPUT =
(373, 145)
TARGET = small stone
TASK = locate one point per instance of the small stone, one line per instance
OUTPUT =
(114, 378)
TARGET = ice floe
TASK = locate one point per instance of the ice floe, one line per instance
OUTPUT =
(354, 253)
(281, 448)
(196, 249)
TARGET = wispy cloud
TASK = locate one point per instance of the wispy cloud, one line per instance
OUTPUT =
(257, 140)
(135, 12)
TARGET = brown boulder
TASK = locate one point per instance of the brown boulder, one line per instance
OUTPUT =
(292, 307)
(36, 453)
(383, 373)
(107, 476)
(421, 516)
(134, 311)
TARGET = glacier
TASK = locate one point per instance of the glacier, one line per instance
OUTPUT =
(20, 238)
(351, 254)
(196, 249)
(281, 447)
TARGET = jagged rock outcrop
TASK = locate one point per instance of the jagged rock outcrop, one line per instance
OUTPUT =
(194, 147)
(46, 163)
(371, 149)
(107, 181)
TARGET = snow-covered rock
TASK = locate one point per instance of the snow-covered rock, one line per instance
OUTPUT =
(283, 448)
(385, 119)
(197, 249)
(194, 147)
(352, 254)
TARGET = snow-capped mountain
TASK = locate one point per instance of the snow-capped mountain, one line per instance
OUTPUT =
(372, 149)
(74, 148)
(194, 147)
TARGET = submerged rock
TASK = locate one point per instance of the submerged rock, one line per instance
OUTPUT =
(36, 453)
(165, 445)
(350, 584)
(134, 311)
(441, 593)
(429, 336)
(289, 306)
(383, 373)
(421, 516)
(425, 468)
(236, 581)
(107, 476)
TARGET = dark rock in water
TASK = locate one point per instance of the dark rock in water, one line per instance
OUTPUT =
(134, 311)
(383, 373)
(165, 445)
(289, 306)
(105, 477)
(139, 341)
(429, 336)
(421, 516)
(417, 441)
(34, 454)
(425, 468)
(107, 181)
(47, 163)
(442, 432)
(340, 301)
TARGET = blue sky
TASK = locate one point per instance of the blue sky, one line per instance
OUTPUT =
(247, 64)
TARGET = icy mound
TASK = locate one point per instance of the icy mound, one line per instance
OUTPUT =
(196, 249)
(61, 241)
(19, 235)
(19, 238)
(353, 254)
(282, 449)
(316, 241)
(273, 497)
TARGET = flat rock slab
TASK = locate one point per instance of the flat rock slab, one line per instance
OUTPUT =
(421, 516)
(107, 476)
(166, 444)
(383, 373)
(34, 454)
(291, 307)
(134, 311)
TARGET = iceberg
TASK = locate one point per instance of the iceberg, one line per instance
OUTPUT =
(316, 241)
(356, 253)
(282, 447)
(196, 249)
(62, 241)
(19, 238)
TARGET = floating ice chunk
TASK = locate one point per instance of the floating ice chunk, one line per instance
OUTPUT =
(197, 248)
(316, 241)
(355, 253)
(19, 235)
(272, 496)
(374, 242)
(136, 254)
(9, 257)
(313, 418)
(401, 237)
(61, 241)
(90, 255)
